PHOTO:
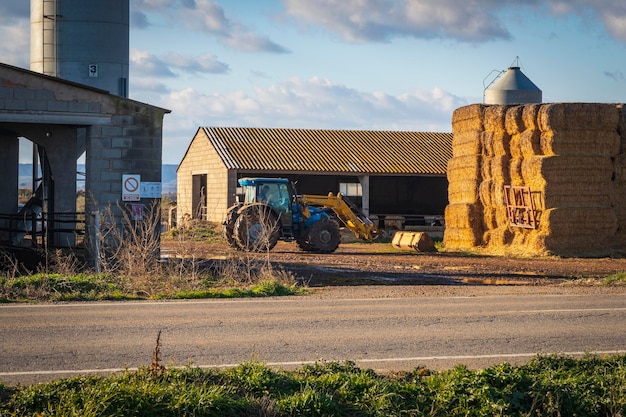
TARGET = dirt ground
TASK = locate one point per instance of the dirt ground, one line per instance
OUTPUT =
(355, 266)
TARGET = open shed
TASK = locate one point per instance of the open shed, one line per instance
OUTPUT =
(66, 121)
(398, 177)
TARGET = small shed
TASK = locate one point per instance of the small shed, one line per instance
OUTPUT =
(392, 176)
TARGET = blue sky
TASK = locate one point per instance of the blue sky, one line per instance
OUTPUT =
(351, 64)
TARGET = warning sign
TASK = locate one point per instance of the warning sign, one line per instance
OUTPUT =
(130, 187)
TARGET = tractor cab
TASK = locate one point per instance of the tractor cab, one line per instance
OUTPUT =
(275, 192)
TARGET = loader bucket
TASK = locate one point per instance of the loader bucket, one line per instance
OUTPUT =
(419, 241)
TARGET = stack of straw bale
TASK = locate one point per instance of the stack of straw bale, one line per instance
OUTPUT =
(570, 155)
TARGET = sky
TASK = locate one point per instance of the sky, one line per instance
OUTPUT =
(351, 64)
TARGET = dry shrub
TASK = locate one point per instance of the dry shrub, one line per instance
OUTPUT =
(129, 248)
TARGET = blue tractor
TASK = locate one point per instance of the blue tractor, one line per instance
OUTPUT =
(272, 211)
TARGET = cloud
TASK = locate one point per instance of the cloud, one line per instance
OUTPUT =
(147, 64)
(464, 21)
(207, 17)
(382, 20)
(203, 64)
(316, 103)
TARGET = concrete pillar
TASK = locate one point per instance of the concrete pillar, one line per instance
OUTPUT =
(61, 150)
(365, 196)
(9, 172)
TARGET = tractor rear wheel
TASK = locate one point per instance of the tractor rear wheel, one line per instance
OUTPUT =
(257, 229)
(324, 236)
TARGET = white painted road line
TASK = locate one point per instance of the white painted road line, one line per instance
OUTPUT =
(300, 363)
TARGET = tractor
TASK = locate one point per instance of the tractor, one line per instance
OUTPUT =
(272, 211)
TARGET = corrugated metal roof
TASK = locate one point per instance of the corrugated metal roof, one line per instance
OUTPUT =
(337, 151)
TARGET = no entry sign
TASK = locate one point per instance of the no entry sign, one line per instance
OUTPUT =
(130, 187)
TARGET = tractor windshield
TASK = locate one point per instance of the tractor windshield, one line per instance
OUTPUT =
(275, 195)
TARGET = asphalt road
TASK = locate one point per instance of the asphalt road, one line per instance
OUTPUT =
(48, 341)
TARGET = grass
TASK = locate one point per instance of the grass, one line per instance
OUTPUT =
(547, 386)
(56, 287)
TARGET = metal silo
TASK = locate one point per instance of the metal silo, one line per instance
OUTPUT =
(85, 41)
(512, 87)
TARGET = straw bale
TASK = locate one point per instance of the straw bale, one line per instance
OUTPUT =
(499, 168)
(573, 194)
(464, 168)
(464, 216)
(514, 146)
(502, 216)
(581, 142)
(529, 116)
(490, 218)
(500, 237)
(515, 171)
(530, 143)
(494, 118)
(486, 192)
(513, 120)
(468, 118)
(461, 239)
(469, 142)
(463, 191)
(578, 116)
(491, 193)
(584, 231)
(496, 143)
(561, 169)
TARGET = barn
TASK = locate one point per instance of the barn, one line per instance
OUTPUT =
(398, 178)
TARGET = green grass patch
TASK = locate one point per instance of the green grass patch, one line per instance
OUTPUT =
(615, 279)
(547, 386)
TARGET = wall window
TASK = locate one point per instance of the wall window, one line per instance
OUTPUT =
(350, 189)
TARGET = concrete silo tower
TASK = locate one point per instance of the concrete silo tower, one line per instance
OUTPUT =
(512, 87)
(85, 41)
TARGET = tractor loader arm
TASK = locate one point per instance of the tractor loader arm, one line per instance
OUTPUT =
(348, 213)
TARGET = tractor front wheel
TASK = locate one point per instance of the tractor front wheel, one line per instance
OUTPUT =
(324, 236)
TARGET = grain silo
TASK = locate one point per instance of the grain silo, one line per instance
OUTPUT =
(85, 41)
(512, 87)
